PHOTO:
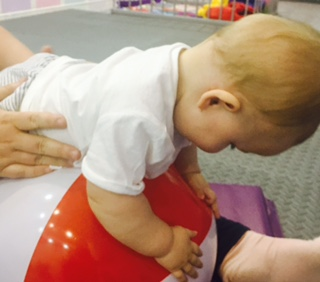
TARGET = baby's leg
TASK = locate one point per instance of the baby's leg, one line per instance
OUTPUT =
(12, 51)
(259, 258)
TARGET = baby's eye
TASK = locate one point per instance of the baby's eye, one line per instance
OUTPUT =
(232, 146)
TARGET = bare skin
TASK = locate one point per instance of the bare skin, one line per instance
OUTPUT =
(27, 155)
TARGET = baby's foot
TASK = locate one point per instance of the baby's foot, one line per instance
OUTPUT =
(47, 49)
(259, 258)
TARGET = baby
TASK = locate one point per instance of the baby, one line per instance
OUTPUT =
(253, 85)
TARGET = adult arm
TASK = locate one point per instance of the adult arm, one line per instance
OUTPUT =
(12, 51)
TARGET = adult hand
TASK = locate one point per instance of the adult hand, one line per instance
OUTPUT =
(26, 155)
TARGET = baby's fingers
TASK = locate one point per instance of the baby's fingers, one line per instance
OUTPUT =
(212, 201)
(191, 233)
(187, 270)
(215, 208)
(199, 192)
(190, 270)
(196, 249)
(195, 261)
(180, 276)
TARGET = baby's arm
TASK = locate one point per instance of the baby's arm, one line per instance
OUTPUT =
(131, 220)
(188, 166)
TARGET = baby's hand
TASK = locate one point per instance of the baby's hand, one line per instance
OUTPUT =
(202, 189)
(183, 257)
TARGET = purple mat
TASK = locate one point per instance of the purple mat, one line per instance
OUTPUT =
(248, 205)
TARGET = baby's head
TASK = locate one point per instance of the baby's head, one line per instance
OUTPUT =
(274, 63)
(271, 66)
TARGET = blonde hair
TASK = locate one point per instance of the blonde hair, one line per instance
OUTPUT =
(274, 63)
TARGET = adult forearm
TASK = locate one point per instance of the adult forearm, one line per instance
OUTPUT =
(12, 51)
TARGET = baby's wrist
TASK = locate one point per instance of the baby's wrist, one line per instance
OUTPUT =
(167, 248)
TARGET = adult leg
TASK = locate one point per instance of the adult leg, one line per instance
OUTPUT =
(229, 233)
(12, 51)
(257, 257)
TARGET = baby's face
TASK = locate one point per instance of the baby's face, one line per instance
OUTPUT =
(217, 127)
(265, 138)
(255, 136)
(269, 141)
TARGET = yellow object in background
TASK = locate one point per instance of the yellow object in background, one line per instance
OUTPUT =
(217, 3)
(203, 12)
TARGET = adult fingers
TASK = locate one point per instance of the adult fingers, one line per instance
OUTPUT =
(19, 157)
(45, 147)
(34, 120)
(23, 171)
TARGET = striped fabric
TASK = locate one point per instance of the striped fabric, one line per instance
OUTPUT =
(27, 70)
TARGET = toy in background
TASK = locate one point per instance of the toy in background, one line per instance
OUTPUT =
(225, 10)
(230, 11)
(159, 7)
(134, 3)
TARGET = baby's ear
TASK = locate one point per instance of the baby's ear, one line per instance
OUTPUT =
(219, 97)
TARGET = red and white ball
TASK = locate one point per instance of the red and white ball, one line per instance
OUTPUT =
(48, 232)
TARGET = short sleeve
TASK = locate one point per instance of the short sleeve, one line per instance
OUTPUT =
(122, 148)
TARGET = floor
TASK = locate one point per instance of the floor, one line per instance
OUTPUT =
(305, 12)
